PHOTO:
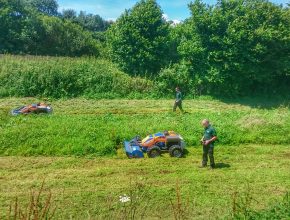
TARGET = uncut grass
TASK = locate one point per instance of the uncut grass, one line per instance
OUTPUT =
(60, 77)
(98, 127)
(81, 187)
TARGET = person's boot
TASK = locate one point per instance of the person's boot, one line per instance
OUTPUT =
(203, 166)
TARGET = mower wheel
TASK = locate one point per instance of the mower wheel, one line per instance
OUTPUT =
(154, 152)
(176, 151)
(49, 110)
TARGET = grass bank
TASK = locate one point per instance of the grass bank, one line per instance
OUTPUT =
(60, 77)
(77, 151)
(98, 127)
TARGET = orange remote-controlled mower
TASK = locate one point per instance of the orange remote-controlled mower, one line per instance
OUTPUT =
(155, 144)
(33, 108)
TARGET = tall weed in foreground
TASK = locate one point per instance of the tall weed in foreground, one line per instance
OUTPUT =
(242, 203)
(242, 207)
(179, 207)
(39, 207)
(136, 203)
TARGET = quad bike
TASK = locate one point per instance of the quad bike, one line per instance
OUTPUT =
(155, 144)
(33, 108)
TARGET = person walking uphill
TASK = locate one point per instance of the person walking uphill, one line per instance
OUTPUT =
(207, 141)
(178, 100)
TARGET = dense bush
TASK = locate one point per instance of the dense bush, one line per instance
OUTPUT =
(35, 27)
(67, 77)
(232, 48)
(237, 48)
(92, 78)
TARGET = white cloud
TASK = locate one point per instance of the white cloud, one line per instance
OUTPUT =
(112, 19)
(175, 21)
(165, 17)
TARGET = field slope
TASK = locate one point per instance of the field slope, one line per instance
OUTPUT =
(77, 151)
(98, 127)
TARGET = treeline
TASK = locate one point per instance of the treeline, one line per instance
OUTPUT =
(232, 48)
(36, 27)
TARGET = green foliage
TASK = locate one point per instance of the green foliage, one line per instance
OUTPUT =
(90, 22)
(175, 76)
(48, 7)
(66, 38)
(66, 77)
(139, 40)
(32, 27)
(237, 47)
(230, 49)
(92, 78)
(12, 20)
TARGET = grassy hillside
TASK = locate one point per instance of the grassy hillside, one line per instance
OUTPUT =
(96, 128)
(67, 77)
(91, 78)
(252, 156)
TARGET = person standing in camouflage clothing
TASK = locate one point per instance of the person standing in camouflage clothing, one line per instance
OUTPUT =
(178, 100)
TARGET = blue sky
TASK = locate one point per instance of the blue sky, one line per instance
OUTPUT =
(112, 9)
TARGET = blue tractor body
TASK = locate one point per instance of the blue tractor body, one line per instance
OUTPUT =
(133, 150)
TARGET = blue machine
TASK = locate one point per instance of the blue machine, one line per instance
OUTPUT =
(132, 150)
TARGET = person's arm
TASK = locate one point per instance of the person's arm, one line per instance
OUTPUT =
(207, 142)
(178, 97)
(214, 137)
(202, 139)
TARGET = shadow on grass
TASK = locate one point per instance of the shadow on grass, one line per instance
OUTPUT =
(222, 165)
(185, 153)
(259, 102)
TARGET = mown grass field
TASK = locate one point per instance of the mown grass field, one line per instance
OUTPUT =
(77, 151)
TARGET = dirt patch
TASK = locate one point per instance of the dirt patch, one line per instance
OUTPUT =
(286, 155)
(165, 172)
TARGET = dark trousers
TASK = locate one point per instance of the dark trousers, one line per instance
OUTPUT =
(208, 152)
(179, 105)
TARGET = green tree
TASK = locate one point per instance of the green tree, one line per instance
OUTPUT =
(24, 29)
(69, 14)
(66, 38)
(48, 7)
(237, 47)
(90, 22)
(12, 20)
(139, 40)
